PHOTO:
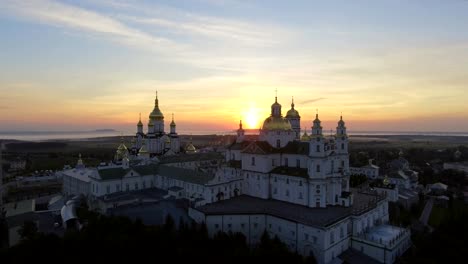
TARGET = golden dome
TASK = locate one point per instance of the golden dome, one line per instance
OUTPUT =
(276, 123)
(305, 136)
(190, 148)
(386, 181)
(292, 113)
(143, 149)
(121, 151)
(139, 122)
(156, 114)
(341, 122)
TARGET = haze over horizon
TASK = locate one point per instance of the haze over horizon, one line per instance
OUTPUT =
(386, 65)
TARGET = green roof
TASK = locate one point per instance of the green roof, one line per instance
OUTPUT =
(192, 157)
(192, 176)
(112, 173)
(150, 169)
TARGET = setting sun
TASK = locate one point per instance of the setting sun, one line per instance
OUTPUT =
(252, 118)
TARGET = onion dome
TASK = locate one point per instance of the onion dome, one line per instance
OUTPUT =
(316, 120)
(172, 122)
(156, 114)
(386, 181)
(122, 150)
(276, 123)
(305, 136)
(190, 148)
(140, 124)
(292, 113)
(143, 149)
(150, 123)
(341, 122)
(167, 140)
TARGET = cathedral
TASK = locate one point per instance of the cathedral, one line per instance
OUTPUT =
(156, 141)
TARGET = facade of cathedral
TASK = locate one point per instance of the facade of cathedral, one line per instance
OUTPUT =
(156, 141)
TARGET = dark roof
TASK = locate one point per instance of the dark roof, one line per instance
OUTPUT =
(239, 146)
(263, 147)
(150, 169)
(151, 193)
(291, 171)
(319, 217)
(191, 157)
(353, 256)
(119, 173)
(192, 176)
(244, 204)
(112, 173)
(296, 147)
(259, 147)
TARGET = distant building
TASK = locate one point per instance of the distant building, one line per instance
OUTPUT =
(17, 164)
(370, 170)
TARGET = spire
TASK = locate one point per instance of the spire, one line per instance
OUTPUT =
(172, 122)
(139, 122)
(156, 102)
(276, 95)
(240, 125)
(292, 102)
(316, 116)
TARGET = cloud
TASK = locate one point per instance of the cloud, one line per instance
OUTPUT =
(312, 100)
(65, 15)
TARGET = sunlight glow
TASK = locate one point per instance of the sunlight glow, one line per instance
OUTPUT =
(252, 118)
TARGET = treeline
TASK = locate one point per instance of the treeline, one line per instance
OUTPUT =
(116, 238)
(448, 243)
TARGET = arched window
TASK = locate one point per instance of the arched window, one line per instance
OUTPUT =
(278, 143)
(342, 145)
(318, 168)
(253, 161)
(318, 148)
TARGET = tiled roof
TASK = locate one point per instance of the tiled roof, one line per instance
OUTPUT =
(192, 176)
(319, 217)
(191, 157)
(112, 173)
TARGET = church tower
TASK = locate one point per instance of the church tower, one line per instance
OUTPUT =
(317, 141)
(175, 140)
(341, 137)
(240, 133)
(173, 125)
(295, 120)
(140, 126)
